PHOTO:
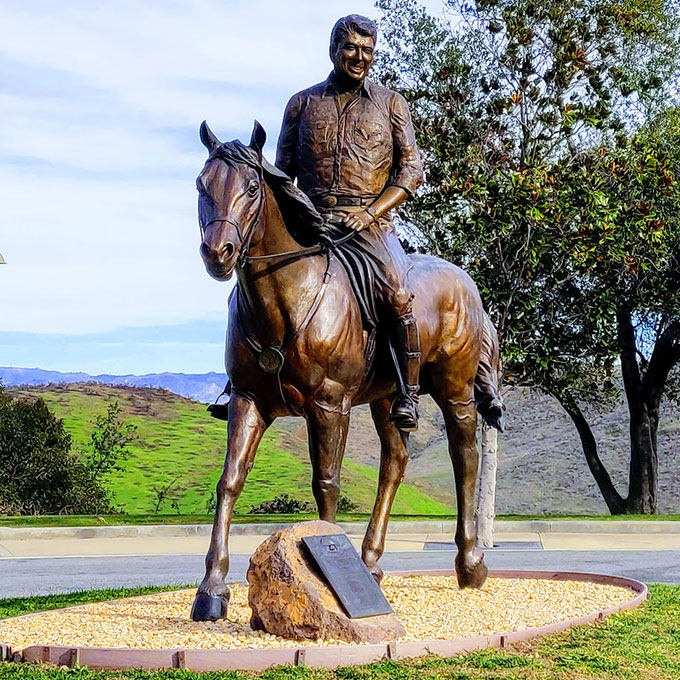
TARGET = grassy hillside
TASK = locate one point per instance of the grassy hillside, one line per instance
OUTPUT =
(542, 469)
(179, 442)
(541, 466)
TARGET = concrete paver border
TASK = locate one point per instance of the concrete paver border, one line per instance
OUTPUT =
(105, 658)
(538, 526)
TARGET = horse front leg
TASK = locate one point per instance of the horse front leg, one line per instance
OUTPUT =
(246, 426)
(460, 417)
(327, 427)
(393, 459)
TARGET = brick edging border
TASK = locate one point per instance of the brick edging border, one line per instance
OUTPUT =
(109, 658)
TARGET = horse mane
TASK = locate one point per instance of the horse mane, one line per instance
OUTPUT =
(302, 219)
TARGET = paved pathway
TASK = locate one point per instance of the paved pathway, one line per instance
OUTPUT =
(44, 575)
(33, 566)
(398, 542)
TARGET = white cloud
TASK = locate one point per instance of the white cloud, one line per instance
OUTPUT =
(99, 109)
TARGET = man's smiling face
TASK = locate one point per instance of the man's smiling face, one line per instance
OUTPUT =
(353, 57)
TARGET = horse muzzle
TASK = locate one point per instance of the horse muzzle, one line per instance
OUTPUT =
(219, 261)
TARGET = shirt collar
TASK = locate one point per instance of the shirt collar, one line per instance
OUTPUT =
(366, 87)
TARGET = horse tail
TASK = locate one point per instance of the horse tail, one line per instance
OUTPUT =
(487, 393)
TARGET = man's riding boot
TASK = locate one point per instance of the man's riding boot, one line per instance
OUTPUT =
(404, 412)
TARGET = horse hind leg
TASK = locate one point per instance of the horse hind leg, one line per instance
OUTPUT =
(460, 417)
(393, 459)
(245, 429)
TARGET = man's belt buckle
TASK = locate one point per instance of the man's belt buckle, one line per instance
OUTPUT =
(329, 201)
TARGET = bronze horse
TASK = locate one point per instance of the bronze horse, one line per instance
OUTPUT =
(296, 345)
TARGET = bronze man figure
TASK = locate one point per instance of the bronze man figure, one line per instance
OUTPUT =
(351, 146)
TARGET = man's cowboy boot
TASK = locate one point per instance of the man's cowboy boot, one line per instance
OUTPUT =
(404, 412)
(220, 410)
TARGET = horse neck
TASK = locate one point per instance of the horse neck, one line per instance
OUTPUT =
(272, 235)
(278, 294)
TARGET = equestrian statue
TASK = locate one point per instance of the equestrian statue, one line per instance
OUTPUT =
(329, 312)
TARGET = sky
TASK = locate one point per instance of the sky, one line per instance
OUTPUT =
(100, 104)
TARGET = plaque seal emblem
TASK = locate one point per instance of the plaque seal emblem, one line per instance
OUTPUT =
(270, 360)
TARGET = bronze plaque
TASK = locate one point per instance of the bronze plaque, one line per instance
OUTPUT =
(347, 576)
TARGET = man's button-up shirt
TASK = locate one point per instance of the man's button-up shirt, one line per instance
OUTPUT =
(355, 151)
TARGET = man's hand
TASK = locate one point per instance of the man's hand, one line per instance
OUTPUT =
(358, 220)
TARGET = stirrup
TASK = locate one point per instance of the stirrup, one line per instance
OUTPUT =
(221, 410)
(404, 411)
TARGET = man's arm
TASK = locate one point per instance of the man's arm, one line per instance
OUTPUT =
(409, 168)
(409, 171)
(286, 149)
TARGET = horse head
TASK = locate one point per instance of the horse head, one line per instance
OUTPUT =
(231, 197)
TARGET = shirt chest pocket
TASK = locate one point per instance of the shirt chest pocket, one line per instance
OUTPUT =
(369, 135)
(316, 135)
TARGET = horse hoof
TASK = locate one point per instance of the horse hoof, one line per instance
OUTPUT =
(370, 559)
(471, 574)
(209, 607)
(377, 573)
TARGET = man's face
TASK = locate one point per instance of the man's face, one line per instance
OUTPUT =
(353, 57)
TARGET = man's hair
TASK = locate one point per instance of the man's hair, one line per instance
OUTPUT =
(352, 23)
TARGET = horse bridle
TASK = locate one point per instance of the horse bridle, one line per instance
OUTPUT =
(271, 359)
(243, 236)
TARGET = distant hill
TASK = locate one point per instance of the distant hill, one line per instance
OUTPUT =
(197, 386)
(541, 465)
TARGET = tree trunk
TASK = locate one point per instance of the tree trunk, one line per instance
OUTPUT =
(644, 461)
(643, 394)
(486, 505)
(612, 497)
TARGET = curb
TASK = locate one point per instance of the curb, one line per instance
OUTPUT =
(413, 527)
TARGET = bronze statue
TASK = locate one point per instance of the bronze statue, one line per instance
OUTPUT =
(351, 146)
(299, 340)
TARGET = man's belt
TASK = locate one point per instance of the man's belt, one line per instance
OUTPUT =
(332, 201)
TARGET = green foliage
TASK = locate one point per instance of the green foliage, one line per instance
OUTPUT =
(551, 149)
(346, 504)
(281, 504)
(38, 472)
(108, 446)
(285, 504)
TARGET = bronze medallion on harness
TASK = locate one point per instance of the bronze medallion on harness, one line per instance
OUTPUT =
(270, 360)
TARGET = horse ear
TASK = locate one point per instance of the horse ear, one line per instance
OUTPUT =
(258, 138)
(208, 138)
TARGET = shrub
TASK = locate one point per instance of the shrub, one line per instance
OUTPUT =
(39, 474)
(346, 504)
(286, 505)
(281, 504)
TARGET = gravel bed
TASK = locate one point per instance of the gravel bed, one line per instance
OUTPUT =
(430, 607)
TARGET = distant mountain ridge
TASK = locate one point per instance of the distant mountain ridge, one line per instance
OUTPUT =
(203, 387)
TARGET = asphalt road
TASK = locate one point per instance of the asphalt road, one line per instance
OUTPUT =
(40, 576)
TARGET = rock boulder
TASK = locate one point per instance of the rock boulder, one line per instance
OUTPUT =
(288, 599)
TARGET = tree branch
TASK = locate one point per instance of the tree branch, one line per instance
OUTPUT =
(611, 496)
(632, 381)
(665, 356)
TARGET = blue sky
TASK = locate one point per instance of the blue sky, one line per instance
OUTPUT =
(100, 104)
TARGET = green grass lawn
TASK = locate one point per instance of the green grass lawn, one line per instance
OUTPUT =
(130, 519)
(643, 644)
(179, 442)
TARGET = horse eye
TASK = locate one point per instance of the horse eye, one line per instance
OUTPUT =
(253, 187)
